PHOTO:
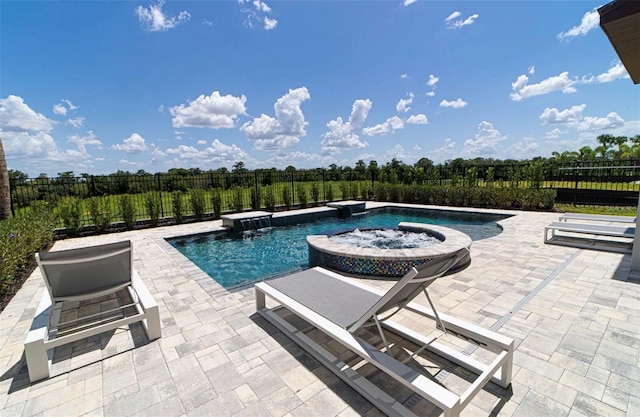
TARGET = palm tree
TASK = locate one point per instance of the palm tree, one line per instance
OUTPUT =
(5, 194)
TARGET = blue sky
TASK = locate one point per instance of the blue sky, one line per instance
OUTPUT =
(100, 86)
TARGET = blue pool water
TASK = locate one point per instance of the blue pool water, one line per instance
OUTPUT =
(234, 261)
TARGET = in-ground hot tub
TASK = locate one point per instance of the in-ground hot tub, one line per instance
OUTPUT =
(413, 245)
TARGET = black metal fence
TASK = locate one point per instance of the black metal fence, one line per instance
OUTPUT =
(581, 183)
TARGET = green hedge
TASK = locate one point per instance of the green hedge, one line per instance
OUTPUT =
(481, 197)
(21, 237)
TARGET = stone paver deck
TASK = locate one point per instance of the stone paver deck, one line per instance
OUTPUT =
(573, 313)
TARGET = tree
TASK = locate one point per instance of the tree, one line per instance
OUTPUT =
(239, 168)
(5, 191)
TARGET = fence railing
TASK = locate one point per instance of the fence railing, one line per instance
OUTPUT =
(581, 183)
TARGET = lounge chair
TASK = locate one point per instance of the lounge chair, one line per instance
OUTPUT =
(80, 275)
(342, 307)
(589, 236)
(597, 218)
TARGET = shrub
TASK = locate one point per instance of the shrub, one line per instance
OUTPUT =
(196, 198)
(329, 191)
(302, 193)
(216, 201)
(238, 201)
(127, 211)
(286, 197)
(176, 204)
(365, 190)
(100, 212)
(255, 198)
(269, 198)
(536, 175)
(315, 193)
(344, 190)
(380, 192)
(21, 236)
(152, 204)
(394, 193)
(354, 190)
(70, 210)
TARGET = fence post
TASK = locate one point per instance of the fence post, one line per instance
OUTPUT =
(575, 188)
(293, 192)
(160, 192)
(255, 176)
(324, 192)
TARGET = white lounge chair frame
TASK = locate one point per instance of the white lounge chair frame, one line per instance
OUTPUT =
(43, 335)
(594, 230)
(597, 217)
(499, 371)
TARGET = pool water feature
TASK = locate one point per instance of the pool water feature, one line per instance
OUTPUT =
(235, 261)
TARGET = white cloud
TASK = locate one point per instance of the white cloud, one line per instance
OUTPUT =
(201, 142)
(456, 104)
(217, 153)
(486, 140)
(17, 116)
(270, 24)
(457, 24)
(590, 21)
(283, 130)
(452, 16)
(291, 158)
(133, 144)
(214, 111)
(28, 145)
(207, 22)
(403, 104)
(397, 152)
(404, 76)
(554, 134)
(524, 148)
(430, 93)
(82, 141)
(416, 148)
(161, 108)
(405, 3)
(522, 88)
(341, 136)
(59, 109)
(76, 122)
(432, 81)
(532, 70)
(573, 118)
(611, 121)
(418, 119)
(447, 148)
(152, 19)
(256, 12)
(568, 116)
(389, 126)
(612, 74)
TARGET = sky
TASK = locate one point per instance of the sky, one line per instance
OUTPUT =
(100, 86)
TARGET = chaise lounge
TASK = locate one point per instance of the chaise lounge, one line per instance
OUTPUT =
(589, 236)
(81, 275)
(343, 308)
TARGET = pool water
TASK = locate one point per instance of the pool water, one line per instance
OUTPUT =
(234, 260)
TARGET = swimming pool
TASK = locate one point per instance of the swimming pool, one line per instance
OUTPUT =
(234, 261)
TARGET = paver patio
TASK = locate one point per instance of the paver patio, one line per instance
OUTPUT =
(573, 313)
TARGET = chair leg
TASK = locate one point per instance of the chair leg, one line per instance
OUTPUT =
(37, 360)
(152, 323)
